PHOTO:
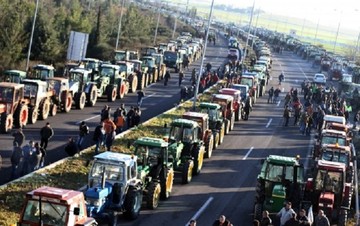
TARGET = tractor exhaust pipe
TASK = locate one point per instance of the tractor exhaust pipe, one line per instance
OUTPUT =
(103, 179)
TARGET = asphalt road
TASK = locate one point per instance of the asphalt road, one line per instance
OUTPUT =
(227, 182)
(159, 98)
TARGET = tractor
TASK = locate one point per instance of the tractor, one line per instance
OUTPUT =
(148, 51)
(155, 169)
(114, 186)
(237, 104)
(281, 179)
(159, 61)
(92, 65)
(14, 76)
(83, 90)
(250, 81)
(126, 55)
(205, 133)
(111, 83)
(38, 98)
(191, 157)
(127, 73)
(13, 109)
(325, 64)
(336, 71)
(327, 137)
(227, 107)
(173, 59)
(62, 99)
(328, 190)
(150, 63)
(216, 121)
(55, 206)
(141, 72)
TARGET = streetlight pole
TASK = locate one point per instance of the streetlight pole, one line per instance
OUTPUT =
(256, 24)
(119, 28)
(247, 39)
(357, 47)
(173, 34)
(203, 56)
(302, 29)
(157, 26)
(32, 35)
(336, 37)
(317, 28)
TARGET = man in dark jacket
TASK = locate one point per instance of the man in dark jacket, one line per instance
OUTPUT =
(98, 137)
(292, 221)
(222, 221)
(19, 137)
(71, 148)
(16, 158)
(46, 133)
(302, 218)
(83, 131)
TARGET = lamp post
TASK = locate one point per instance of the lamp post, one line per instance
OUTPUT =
(256, 24)
(203, 56)
(336, 37)
(247, 39)
(119, 28)
(317, 28)
(157, 26)
(32, 35)
(173, 34)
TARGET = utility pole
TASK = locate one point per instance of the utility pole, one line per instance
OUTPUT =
(256, 24)
(119, 28)
(157, 25)
(32, 35)
(336, 37)
(187, 6)
(173, 34)
(247, 39)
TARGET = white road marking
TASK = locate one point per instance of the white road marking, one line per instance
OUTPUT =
(88, 119)
(199, 212)
(248, 153)
(278, 103)
(149, 96)
(296, 81)
(283, 89)
(268, 124)
(303, 72)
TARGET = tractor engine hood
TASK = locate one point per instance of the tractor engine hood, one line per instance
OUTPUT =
(74, 86)
(326, 200)
(96, 198)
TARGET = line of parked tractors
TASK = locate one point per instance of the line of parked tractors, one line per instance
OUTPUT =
(27, 97)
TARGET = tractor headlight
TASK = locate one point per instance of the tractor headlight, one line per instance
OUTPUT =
(97, 203)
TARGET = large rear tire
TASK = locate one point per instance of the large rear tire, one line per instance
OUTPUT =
(92, 96)
(258, 211)
(216, 140)
(80, 100)
(122, 90)
(6, 122)
(53, 109)
(209, 146)
(134, 83)
(141, 83)
(222, 133)
(111, 94)
(167, 183)
(199, 160)
(66, 102)
(44, 109)
(21, 116)
(227, 126)
(232, 122)
(33, 115)
(153, 195)
(187, 172)
(132, 203)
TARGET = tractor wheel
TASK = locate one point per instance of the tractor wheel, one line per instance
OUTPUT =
(258, 211)
(222, 133)
(199, 160)
(44, 109)
(232, 122)
(134, 84)
(156, 76)
(66, 102)
(216, 140)
(80, 100)
(209, 147)
(342, 218)
(132, 203)
(111, 94)
(238, 114)
(33, 115)
(92, 96)
(141, 83)
(53, 109)
(167, 183)
(227, 126)
(186, 174)
(153, 195)
(150, 78)
(6, 123)
(127, 87)
(21, 116)
(122, 90)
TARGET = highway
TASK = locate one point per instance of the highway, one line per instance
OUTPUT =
(159, 98)
(227, 182)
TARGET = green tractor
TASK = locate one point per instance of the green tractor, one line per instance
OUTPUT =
(216, 121)
(190, 159)
(281, 179)
(154, 169)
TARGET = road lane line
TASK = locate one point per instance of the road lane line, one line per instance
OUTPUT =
(283, 89)
(303, 72)
(248, 153)
(268, 124)
(278, 103)
(149, 96)
(88, 119)
(199, 212)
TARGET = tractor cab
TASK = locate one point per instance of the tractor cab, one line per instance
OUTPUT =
(137, 64)
(148, 51)
(226, 103)
(244, 91)
(281, 179)
(328, 137)
(213, 110)
(202, 119)
(13, 76)
(91, 64)
(78, 79)
(108, 74)
(41, 72)
(149, 62)
(59, 85)
(237, 103)
(35, 91)
(55, 206)
(185, 131)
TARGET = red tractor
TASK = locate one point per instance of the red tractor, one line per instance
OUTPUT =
(206, 134)
(328, 137)
(237, 104)
(227, 107)
(328, 191)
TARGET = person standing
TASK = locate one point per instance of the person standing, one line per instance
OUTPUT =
(19, 137)
(222, 221)
(110, 128)
(265, 220)
(27, 152)
(105, 113)
(276, 95)
(16, 159)
(321, 219)
(181, 77)
(98, 136)
(140, 95)
(83, 131)
(129, 117)
(193, 77)
(302, 218)
(292, 221)
(46, 133)
(271, 94)
(136, 117)
(120, 123)
(286, 115)
(166, 78)
(36, 157)
(285, 213)
(192, 223)
(71, 147)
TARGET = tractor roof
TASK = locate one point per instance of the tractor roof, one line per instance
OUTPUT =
(90, 60)
(229, 91)
(59, 79)
(335, 147)
(330, 165)
(184, 122)
(333, 132)
(113, 66)
(32, 81)
(43, 66)
(283, 160)
(148, 57)
(64, 195)
(240, 86)
(333, 118)
(80, 70)
(11, 85)
(223, 97)
(209, 105)
(150, 141)
(21, 73)
(135, 61)
(113, 157)
(197, 115)
(248, 74)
